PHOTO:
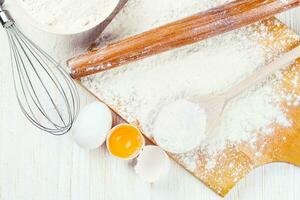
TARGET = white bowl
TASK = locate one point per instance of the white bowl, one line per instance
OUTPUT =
(24, 15)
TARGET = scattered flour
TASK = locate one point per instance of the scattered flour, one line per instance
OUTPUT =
(140, 90)
(69, 15)
(285, 1)
(180, 126)
(210, 164)
(251, 112)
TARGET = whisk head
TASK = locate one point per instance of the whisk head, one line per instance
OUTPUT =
(45, 92)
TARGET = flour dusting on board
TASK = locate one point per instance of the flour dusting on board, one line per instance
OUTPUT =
(140, 90)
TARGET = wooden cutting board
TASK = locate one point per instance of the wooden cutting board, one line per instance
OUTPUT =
(235, 161)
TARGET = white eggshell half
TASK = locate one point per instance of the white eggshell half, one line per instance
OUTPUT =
(92, 125)
(152, 163)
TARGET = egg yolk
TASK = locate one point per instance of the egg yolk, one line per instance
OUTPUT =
(125, 141)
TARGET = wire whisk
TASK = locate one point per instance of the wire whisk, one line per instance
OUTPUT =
(46, 94)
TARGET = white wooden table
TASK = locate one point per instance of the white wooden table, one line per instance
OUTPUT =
(37, 166)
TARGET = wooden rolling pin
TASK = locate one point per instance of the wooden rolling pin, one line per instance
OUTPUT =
(176, 34)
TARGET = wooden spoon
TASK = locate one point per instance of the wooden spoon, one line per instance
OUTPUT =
(186, 31)
(214, 104)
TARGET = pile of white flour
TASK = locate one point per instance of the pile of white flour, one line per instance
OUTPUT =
(140, 90)
(180, 126)
(69, 15)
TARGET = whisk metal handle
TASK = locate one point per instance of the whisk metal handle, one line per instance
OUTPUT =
(5, 18)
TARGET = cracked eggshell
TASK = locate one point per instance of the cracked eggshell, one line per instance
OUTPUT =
(92, 125)
(152, 164)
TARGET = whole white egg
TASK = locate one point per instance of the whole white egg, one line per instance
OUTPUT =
(92, 125)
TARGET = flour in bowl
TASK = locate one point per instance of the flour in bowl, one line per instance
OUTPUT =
(69, 15)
